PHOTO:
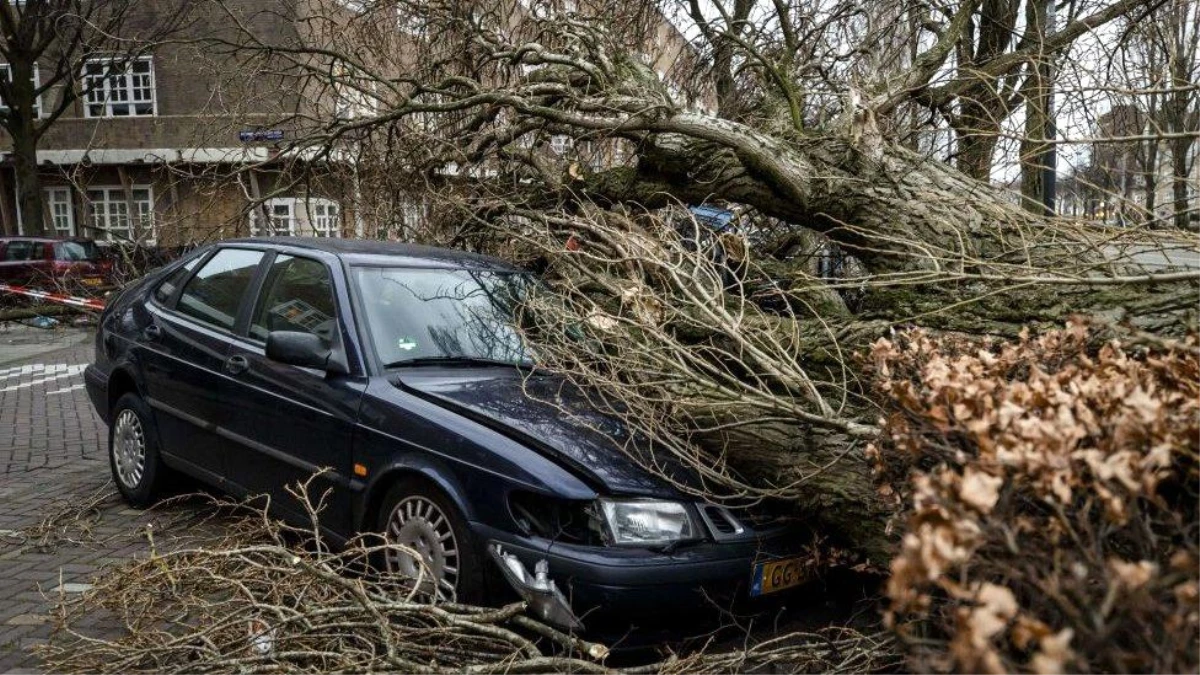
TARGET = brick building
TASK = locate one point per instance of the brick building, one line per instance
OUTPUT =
(183, 145)
(158, 149)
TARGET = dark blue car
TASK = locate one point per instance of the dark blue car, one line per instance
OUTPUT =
(253, 364)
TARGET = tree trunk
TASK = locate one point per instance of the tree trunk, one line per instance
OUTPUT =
(896, 210)
(29, 186)
(1179, 188)
(976, 134)
(1039, 103)
(21, 126)
(1150, 180)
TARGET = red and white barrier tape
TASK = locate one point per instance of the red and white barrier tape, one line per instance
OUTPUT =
(86, 303)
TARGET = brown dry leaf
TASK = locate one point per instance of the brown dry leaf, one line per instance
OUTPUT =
(602, 322)
(997, 607)
(1055, 653)
(1132, 576)
(1027, 631)
(1141, 403)
(1187, 593)
(980, 490)
(1083, 442)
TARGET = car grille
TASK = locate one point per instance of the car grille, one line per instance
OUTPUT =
(721, 521)
(735, 522)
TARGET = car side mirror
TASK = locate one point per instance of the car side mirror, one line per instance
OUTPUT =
(306, 350)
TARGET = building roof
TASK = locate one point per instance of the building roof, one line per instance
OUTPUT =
(384, 252)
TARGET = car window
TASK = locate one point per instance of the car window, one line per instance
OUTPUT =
(443, 313)
(297, 296)
(76, 250)
(19, 250)
(167, 287)
(214, 294)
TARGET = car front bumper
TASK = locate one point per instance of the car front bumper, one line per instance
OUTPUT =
(618, 587)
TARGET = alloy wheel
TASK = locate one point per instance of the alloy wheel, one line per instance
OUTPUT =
(418, 523)
(129, 448)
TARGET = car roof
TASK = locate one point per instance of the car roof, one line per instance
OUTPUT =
(374, 252)
(21, 237)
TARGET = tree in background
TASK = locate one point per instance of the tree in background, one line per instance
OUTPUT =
(45, 45)
(1156, 70)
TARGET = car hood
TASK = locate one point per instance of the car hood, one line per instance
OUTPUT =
(553, 417)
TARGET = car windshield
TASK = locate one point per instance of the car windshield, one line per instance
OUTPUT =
(76, 250)
(420, 315)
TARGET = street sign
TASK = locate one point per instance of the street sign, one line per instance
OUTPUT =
(252, 135)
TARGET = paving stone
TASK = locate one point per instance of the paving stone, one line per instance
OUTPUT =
(53, 454)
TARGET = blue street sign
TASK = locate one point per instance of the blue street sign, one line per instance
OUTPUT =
(250, 136)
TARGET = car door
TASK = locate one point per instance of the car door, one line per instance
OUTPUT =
(19, 266)
(10, 264)
(288, 422)
(183, 349)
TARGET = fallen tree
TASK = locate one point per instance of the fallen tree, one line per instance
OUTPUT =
(751, 382)
(729, 353)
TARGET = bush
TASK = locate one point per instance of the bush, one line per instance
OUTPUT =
(1048, 493)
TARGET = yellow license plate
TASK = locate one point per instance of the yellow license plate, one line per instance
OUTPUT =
(777, 575)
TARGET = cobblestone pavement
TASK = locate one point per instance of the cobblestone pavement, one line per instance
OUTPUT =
(61, 520)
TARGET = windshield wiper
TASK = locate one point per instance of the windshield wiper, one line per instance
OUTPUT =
(457, 361)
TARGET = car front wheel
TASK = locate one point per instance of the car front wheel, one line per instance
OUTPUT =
(420, 517)
(133, 451)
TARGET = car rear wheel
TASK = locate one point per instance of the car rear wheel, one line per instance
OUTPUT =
(419, 516)
(133, 451)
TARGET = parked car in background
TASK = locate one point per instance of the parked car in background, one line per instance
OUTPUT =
(50, 262)
(251, 363)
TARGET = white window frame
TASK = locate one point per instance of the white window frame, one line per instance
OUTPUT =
(104, 231)
(277, 221)
(322, 222)
(561, 143)
(309, 215)
(126, 78)
(37, 82)
(412, 213)
(54, 197)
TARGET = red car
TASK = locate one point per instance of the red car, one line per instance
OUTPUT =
(50, 262)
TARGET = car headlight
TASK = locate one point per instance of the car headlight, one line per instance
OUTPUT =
(647, 521)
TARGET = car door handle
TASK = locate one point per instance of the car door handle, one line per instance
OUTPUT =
(152, 332)
(235, 365)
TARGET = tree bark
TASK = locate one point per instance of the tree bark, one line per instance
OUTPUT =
(896, 210)
(1039, 103)
(29, 189)
(1181, 183)
(976, 136)
(20, 123)
(1150, 173)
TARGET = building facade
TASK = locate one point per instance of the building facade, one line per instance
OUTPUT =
(176, 145)
(189, 141)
